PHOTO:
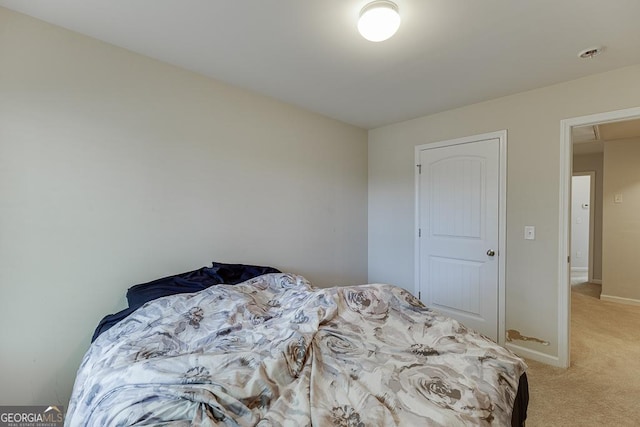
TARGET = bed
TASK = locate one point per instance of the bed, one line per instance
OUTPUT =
(274, 350)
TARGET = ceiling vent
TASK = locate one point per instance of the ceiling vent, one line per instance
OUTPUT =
(590, 52)
(585, 133)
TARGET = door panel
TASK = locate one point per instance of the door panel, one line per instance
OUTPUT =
(456, 285)
(456, 185)
(458, 219)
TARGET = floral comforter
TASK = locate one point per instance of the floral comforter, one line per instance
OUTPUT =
(275, 351)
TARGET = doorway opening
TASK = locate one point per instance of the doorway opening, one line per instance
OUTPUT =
(570, 134)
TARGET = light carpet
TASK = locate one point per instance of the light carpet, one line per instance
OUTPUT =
(602, 386)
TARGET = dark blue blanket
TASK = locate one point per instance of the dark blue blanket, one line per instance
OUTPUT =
(191, 281)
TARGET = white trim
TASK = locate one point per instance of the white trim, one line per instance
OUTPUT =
(564, 218)
(502, 238)
(564, 245)
(538, 356)
(501, 135)
(596, 281)
(416, 220)
(620, 300)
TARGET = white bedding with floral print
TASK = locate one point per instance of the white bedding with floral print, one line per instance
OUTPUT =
(275, 351)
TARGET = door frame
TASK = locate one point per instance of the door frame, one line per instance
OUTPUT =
(501, 135)
(592, 197)
(564, 241)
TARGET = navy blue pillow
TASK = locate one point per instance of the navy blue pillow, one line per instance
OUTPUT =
(194, 281)
(140, 294)
(191, 281)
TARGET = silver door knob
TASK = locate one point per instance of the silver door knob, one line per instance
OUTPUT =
(491, 252)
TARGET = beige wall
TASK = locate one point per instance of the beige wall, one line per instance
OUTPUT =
(117, 169)
(532, 120)
(621, 226)
(588, 163)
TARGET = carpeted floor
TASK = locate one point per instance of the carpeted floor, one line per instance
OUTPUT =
(602, 386)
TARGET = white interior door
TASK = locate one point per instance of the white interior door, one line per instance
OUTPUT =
(458, 220)
(582, 221)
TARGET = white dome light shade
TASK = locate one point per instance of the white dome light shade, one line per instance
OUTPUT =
(379, 20)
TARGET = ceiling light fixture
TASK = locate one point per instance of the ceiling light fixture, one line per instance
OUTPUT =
(379, 20)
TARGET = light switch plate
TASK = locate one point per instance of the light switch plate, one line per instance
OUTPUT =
(617, 198)
(529, 232)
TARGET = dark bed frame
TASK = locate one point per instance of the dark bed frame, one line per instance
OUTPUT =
(519, 414)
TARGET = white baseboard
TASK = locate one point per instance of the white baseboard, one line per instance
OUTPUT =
(620, 300)
(538, 356)
(596, 281)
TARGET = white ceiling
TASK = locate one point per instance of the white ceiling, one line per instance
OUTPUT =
(447, 53)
